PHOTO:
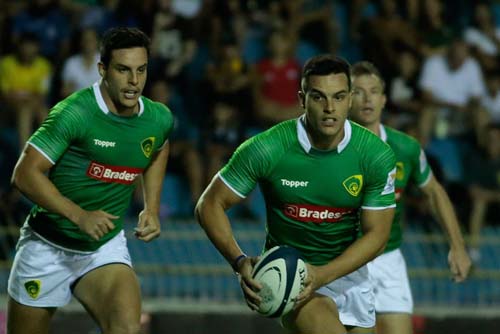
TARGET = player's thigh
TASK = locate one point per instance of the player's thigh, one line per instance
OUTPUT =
(23, 319)
(319, 315)
(111, 294)
(394, 323)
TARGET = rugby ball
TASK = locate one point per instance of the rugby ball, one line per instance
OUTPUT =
(282, 273)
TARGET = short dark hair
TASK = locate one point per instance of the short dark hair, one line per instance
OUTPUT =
(324, 65)
(122, 38)
(367, 68)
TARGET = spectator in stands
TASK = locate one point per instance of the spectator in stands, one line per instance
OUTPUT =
(24, 84)
(434, 30)
(184, 157)
(484, 37)
(48, 22)
(229, 79)
(383, 35)
(452, 86)
(491, 100)
(404, 103)
(277, 81)
(80, 71)
(106, 14)
(483, 185)
(225, 134)
(173, 44)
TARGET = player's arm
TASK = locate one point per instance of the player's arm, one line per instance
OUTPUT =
(149, 222)
(376, 226)
(443, 211)
(211, 215)
(30, 177)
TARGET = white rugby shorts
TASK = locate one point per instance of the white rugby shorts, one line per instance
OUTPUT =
(391, 285)
(354, 297)
(42, 274)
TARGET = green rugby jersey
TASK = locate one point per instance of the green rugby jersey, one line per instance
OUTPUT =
(97, 157)
(411, 166)
(313, 197)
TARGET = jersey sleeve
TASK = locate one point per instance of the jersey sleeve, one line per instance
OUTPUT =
(63, 125)
(247, 165)
(168, 124)
(380, 178)
(421, 170)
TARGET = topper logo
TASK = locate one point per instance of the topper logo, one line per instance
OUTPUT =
(293, 184)
(104, 143)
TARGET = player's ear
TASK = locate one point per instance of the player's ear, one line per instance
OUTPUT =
(101, 68)
(302, 98)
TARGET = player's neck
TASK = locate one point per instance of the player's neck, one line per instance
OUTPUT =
(375, 128)
(325, 143)
(113, 108)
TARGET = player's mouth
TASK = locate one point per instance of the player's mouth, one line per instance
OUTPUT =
(367, 110)
(131, 94)
(328, 121)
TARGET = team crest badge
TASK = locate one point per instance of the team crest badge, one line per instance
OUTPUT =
(33, 288)
(400, 171)
(147, 146)
(353, 184)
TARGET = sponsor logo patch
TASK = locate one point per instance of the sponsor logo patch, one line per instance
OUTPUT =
(390, 183)
(315, 213)
(147, 146)
(33, 288)
(400, 171)
(113, 174)
(353, 184)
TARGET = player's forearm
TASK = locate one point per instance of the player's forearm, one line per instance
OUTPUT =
(213, 219)
(358, 254)
(153, 181)
(36, 186)
(445, 214)
(376, 226)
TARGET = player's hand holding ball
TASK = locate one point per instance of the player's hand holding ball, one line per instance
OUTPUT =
(311, 284)
(248, 284)
(282, 274)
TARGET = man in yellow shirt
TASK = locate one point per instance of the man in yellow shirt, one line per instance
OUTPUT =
(24, 84)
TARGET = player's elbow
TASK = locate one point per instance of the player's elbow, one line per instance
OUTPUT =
(200, 209)
(17, 179)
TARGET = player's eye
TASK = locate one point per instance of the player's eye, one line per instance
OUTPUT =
(340, 97)
(317, 97)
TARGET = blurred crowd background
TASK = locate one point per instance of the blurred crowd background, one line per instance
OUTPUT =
(229, 69)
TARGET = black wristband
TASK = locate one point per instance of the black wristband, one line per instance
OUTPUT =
(237, 260)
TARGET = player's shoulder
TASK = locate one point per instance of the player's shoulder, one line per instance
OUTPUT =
(81, 103)
(274, 141)
(365, 140)
(156, 109)
(398, 139)
(279, 135)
